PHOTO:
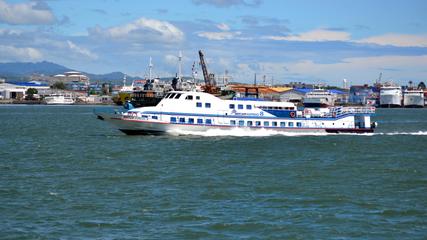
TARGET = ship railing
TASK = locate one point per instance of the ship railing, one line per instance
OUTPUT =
(338, 111)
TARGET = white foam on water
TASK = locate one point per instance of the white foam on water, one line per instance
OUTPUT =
(419, 133)
(241, 132)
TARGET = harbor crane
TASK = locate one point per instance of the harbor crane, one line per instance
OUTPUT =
(210, 83)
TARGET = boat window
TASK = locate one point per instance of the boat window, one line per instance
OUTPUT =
(231, 106)
(167, 95)
(299, 124)
(173, 119)
(266, 124)
(240, 106)
(199, 104)
(191, 120)
(291, 124)
(274, 124)
(197, 97)
(178, 95)
(182, 120)
(207, 105)
(154, 117)
(232, 122)
(172, 95)
(249, 107)
(257, 123)
(200, 121)
(208, 121)
(283, 124)
(249, 123)
(241, 123)
(189, 97)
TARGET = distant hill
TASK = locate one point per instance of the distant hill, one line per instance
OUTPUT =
(21, 71)
(26, 69)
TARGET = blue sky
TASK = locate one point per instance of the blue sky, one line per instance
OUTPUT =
(306, 40)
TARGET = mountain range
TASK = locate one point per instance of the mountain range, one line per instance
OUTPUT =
(22, 71)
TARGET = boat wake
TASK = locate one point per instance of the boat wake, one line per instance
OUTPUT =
(239, 132)
(419, 133)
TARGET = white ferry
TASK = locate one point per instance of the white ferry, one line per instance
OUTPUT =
(390, 96)
(319, 98)
(199, 111)
(58, 99)
(413, 98)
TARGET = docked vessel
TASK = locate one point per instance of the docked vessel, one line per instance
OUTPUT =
(413, 98)
(319, 98)
(59, 99)
(390, 96)
(200, 111)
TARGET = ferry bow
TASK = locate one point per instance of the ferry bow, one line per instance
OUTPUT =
(199, 111)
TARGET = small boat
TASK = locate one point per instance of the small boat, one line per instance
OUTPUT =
(200, 111)
(59, 99)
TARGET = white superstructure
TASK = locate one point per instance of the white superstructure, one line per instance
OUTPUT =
(390, 96)
(199, 111)
(319, 98)
(59, 99)
(413, 98)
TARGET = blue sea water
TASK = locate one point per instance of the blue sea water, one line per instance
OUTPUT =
(66, 175)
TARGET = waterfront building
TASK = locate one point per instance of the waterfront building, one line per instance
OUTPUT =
(17, 90)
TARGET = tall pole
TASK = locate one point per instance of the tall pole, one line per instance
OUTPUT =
(150, 66)
(255, 79)
(180, 65)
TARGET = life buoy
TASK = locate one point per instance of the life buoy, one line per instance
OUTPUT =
(292, 114)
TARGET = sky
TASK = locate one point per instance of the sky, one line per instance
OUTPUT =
(312, 41)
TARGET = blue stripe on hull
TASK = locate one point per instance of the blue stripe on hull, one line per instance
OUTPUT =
(248, 116)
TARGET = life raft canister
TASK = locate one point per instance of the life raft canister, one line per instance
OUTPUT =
(292, 114)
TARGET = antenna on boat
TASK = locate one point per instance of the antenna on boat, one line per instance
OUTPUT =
(150, 66)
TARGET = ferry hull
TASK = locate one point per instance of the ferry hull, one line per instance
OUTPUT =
(142, 127)
(413, 101)
(390, 101)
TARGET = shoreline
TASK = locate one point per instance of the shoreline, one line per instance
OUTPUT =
(14, 102)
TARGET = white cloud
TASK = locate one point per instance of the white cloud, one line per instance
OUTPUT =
(10, 32)
(358, 70)
(321, 35)
(317, 35)
(143, 29)
(82, 51)
(223, 27)
(363, 69)
(228, 3)
(219, 35)
(398, 40)
(11, 53)
(26, 13)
